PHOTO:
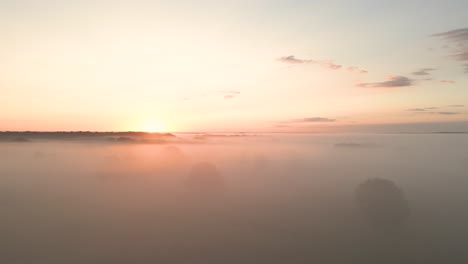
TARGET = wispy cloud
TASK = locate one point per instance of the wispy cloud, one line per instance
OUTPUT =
(293, 60)
(428, 110)
(462, 56)
(448, 113)
(356, 69)
(416, 109)
(329, 64)
(393, 81)
(304, 121)
(458, 35)
(447, 81)
(423, 71)
(312, 120)
(440, 81)
(229, 94)
(425, 111)
(458, 40)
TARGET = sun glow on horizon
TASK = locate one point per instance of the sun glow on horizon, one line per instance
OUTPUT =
(153, 127)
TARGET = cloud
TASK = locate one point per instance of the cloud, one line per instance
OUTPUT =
(329, 64)
(447, 113)
(463, 56)
(423, 71)
(313, 120)
(302, 121)
(356, 69)
(458, 39)
(429, 110)
(438, 113)
(441, 81)
(458, 35)
(292, 60)
(447, 81)
(393, 81)
(230, 92)
(422, 109)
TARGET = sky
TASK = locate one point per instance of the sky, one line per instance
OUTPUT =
(257, 65)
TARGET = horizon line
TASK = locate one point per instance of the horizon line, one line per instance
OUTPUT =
(230, 132)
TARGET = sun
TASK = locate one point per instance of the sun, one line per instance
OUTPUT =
(153, 127)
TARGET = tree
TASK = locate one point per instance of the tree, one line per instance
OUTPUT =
(382, 203)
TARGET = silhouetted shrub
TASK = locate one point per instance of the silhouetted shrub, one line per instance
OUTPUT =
(20, 139)
(382, 203)
(121, 139)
